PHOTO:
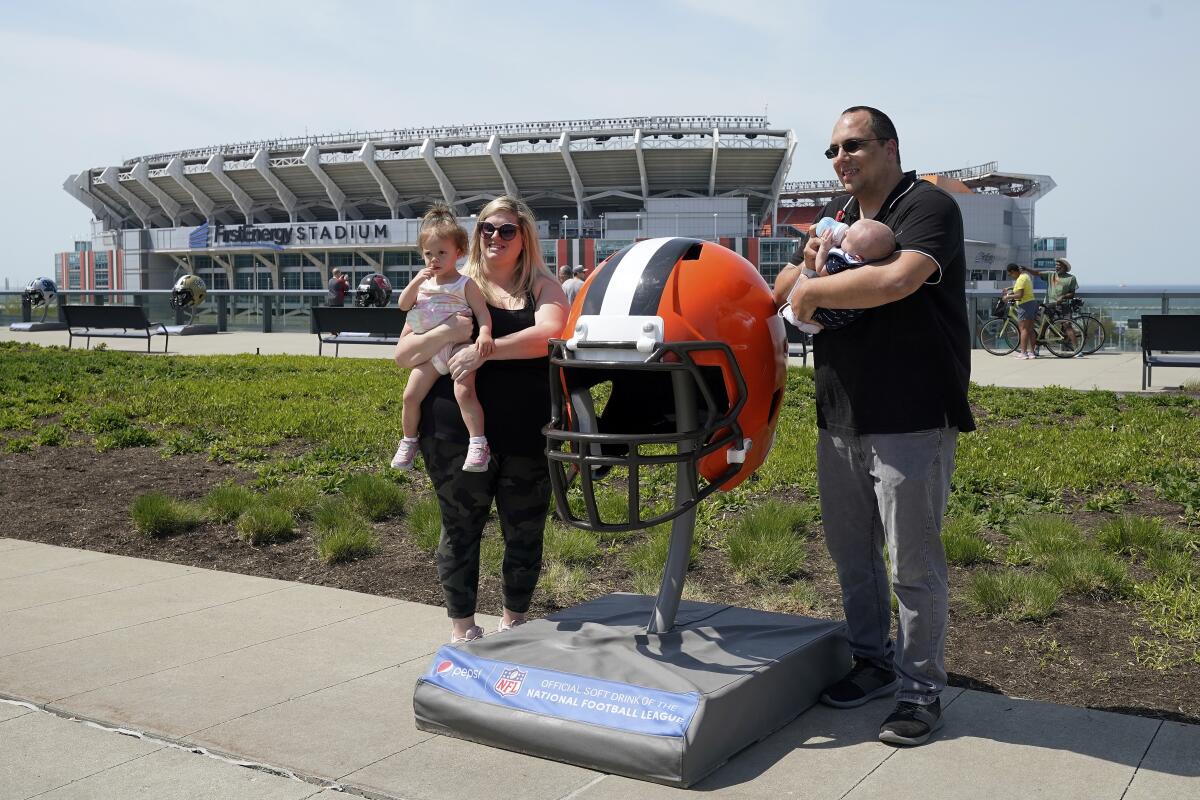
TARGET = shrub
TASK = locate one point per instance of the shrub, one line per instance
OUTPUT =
(51, 436)
(570, 545)
(1086, 571)
(562, 584)
(1130, 535)
(226, 502)
(263, 523)
(1043, 535)
(964, 546)
(1013, 595)
(298, 498)
(20, 445)
(108, 419)
(768, 544)
(425, 523)
(375, 497)
(156, 514)
(125, 437)
(348, 538)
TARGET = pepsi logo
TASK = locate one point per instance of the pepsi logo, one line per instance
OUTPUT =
(444, 667)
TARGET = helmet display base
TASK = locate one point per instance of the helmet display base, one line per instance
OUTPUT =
(191, 330)
(589, 686)
(38, 326)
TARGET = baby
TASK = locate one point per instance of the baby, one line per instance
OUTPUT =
(437, 293)
(843, 247)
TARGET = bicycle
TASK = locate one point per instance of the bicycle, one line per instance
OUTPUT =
(1000, 335)
(1094, 333)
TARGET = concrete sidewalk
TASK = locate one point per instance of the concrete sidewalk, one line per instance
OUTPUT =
(311, 688)
(1118, 372)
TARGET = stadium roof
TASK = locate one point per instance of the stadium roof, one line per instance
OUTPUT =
(983, 179)
(587, 166)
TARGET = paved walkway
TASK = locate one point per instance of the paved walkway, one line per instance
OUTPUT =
(1119, 372)
(141, 679)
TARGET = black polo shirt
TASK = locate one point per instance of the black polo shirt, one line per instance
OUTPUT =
(904, 366)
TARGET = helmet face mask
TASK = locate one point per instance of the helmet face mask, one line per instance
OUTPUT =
(374, 290)
(679, 342)
(41, 292)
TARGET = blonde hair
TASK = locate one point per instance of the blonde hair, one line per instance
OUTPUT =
(439, 222)
(530, 266)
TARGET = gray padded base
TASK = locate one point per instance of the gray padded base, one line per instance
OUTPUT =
(752, 671)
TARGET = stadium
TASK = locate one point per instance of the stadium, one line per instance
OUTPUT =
(281, 214)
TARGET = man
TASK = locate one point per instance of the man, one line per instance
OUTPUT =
(339, 284)
(891, 394)
(564, 274)
(573, 286)
(1061, 285)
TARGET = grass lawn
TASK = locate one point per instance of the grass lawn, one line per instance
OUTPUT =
(1073, 529)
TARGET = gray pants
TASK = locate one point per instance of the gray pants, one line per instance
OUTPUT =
(891, 489)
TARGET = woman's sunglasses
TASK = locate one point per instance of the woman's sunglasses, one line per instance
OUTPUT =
(850, 146)
(507, 231)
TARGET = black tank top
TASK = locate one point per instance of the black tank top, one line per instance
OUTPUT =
(514, 393)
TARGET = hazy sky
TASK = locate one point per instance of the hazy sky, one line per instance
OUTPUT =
(1099, 95)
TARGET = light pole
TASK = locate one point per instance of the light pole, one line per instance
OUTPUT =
(602, 236)
(639, 226)
(714, 226)
(564, 227)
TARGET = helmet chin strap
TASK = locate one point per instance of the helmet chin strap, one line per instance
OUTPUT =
(683, 527)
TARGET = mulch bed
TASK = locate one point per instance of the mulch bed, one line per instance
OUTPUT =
(76, 497)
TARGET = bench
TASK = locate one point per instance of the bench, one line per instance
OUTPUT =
(111, 322)
(798, 342)
(1169, 340)
(339, 325)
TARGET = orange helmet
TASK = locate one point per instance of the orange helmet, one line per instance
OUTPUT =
(685, 333)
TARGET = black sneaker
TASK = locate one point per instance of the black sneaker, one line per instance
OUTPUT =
(864, 683)
(911, 723)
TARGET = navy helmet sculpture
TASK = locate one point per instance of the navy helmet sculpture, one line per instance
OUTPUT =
(41, 292)
(373, 290)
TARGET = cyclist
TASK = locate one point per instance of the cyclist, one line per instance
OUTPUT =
(1021, 294)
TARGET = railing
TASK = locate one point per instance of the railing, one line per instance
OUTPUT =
(1119, 309)
(265, 310)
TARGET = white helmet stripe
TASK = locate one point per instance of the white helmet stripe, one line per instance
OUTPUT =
(624, 283)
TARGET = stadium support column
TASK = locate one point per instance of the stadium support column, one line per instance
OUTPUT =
(312, 160)
(216, 165)
(203, 202)
(494, 150)
(641, 162)
(712, 170)
(785, 166)
(79, 187)
(141, 174)
(112, 179)
(564, 147)
(262, 164)
(449, 193)
(390, 196)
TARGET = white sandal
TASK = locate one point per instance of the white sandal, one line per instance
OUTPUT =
(508, 626)
(474, 632)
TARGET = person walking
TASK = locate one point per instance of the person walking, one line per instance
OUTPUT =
(891, 394)
(572, 286)
(527, 307)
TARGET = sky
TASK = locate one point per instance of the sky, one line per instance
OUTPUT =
(1098, 95)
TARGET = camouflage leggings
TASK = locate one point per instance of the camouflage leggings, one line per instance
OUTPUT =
(520, 485)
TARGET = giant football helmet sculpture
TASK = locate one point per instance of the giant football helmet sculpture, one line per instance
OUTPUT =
(43, 293)
(374, 290)
(189, 291)
(662, 321)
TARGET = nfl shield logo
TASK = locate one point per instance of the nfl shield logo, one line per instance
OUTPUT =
(509, 682)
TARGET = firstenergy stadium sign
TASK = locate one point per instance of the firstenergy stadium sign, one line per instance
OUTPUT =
(300, 234)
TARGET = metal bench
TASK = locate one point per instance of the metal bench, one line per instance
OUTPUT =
(1169, 340)
(111, 322)
(338, 325)
(798, 342)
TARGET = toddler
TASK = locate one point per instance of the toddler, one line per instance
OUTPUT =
(437, 293)
(843, 247)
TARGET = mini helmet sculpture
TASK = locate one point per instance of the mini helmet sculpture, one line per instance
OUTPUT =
(374, 290)
(41, 292)
(189, 292)
(659, 322)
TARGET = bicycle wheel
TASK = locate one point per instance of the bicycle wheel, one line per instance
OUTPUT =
(1063, 338)
(999, 337)
(1094, 334)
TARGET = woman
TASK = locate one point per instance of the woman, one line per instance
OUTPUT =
(528, 307)
(1022, 294)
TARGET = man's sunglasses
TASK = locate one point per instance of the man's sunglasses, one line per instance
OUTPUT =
(850, 146)
(507, 231)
